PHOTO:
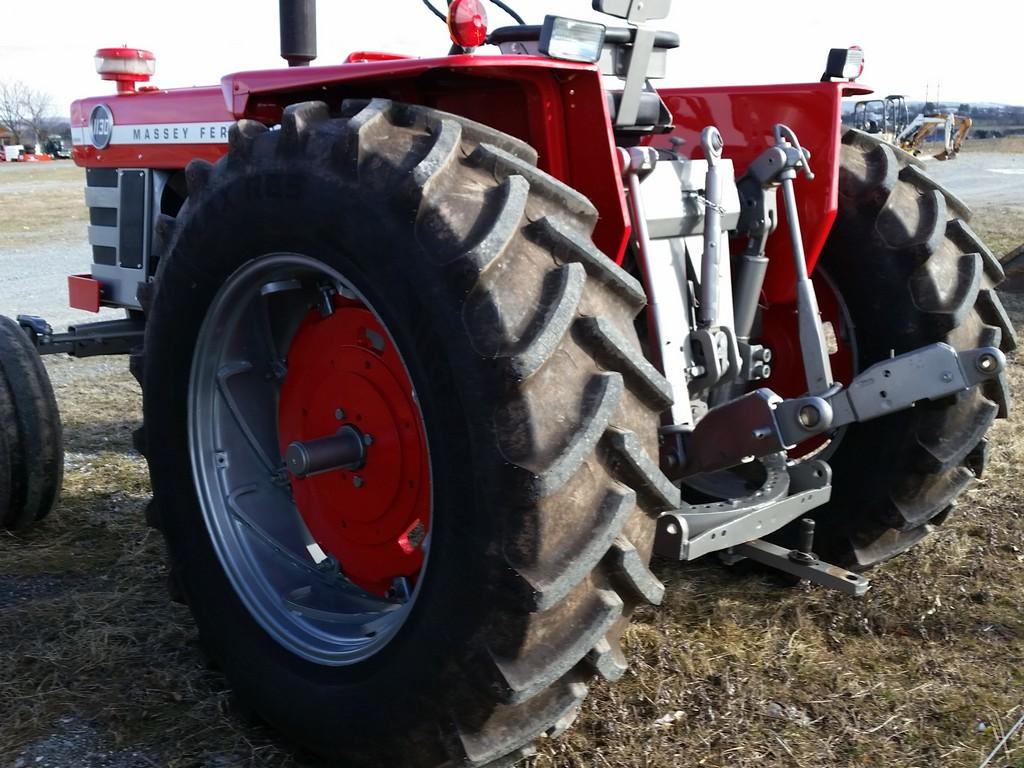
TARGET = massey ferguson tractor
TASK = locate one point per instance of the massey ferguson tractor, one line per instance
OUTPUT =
(436, 353)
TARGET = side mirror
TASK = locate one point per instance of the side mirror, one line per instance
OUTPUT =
(634, 11)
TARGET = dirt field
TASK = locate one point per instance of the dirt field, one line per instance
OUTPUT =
(735, 670)
(42, 239)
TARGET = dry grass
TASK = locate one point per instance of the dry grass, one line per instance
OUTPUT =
(55, 207)
(88, 631)
(1001, 225)
(1011, 144)
(927, 670)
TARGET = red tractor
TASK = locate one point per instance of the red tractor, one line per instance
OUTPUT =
(436, 352)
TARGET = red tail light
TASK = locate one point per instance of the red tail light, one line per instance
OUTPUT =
(467, 23)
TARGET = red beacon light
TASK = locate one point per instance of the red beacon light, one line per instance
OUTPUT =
(125, 66)
(467, 23)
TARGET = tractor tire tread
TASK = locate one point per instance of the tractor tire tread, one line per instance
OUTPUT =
(528, 676)
(632, 463)
(628, 566)
(524, 257)
(964, 238)
(611, 349)
(546, 590)
(535, 350)
(569, 245)
(35, 443)
(939, 281)
(913, 174)
(503, 164)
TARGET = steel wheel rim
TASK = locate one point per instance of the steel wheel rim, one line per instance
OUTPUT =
(286, 581)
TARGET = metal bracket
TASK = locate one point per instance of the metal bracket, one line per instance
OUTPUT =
(701, 529)
(634, 11)
(928, 373)
(755, 361)
(742, 428)
(715, 356)
(108, 337)
(760, 422)
(636, 75)
(733, 528)
(825, 574)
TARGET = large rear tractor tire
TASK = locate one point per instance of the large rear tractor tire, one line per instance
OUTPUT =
(911, 272)
(31, 442)
(442, 595)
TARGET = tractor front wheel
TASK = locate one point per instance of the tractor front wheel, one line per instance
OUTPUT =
(400, 432)
(31, 438)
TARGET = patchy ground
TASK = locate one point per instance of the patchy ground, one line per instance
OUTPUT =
(101, 671)
(43, 222)
(989, 176)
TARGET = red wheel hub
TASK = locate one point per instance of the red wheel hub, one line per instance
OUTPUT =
(343, 369)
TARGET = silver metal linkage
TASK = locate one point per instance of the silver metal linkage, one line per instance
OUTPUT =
(812, 336)
(659, 267)
(817, 572)
(710, 265)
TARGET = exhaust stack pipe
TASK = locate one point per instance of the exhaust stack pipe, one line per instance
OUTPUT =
(298, 32)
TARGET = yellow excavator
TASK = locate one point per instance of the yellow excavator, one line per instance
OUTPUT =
(889, 119)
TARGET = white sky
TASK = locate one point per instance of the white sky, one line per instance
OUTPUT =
(973, 49)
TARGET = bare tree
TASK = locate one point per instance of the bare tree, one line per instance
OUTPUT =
(57, 126)
(12, 105)
(35, 107)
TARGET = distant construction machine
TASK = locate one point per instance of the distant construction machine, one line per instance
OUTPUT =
(889, 118)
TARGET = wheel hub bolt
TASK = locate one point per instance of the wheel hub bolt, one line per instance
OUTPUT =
(357, 481)
(342, 450)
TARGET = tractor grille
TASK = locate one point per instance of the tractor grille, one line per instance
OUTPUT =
(120, 205)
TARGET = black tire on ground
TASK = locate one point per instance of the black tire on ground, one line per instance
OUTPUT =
(540, 410)
(7, 425)
(32, 431)
(912, 273)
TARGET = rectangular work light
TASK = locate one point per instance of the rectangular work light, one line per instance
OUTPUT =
(844, 64)
(571, 39)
